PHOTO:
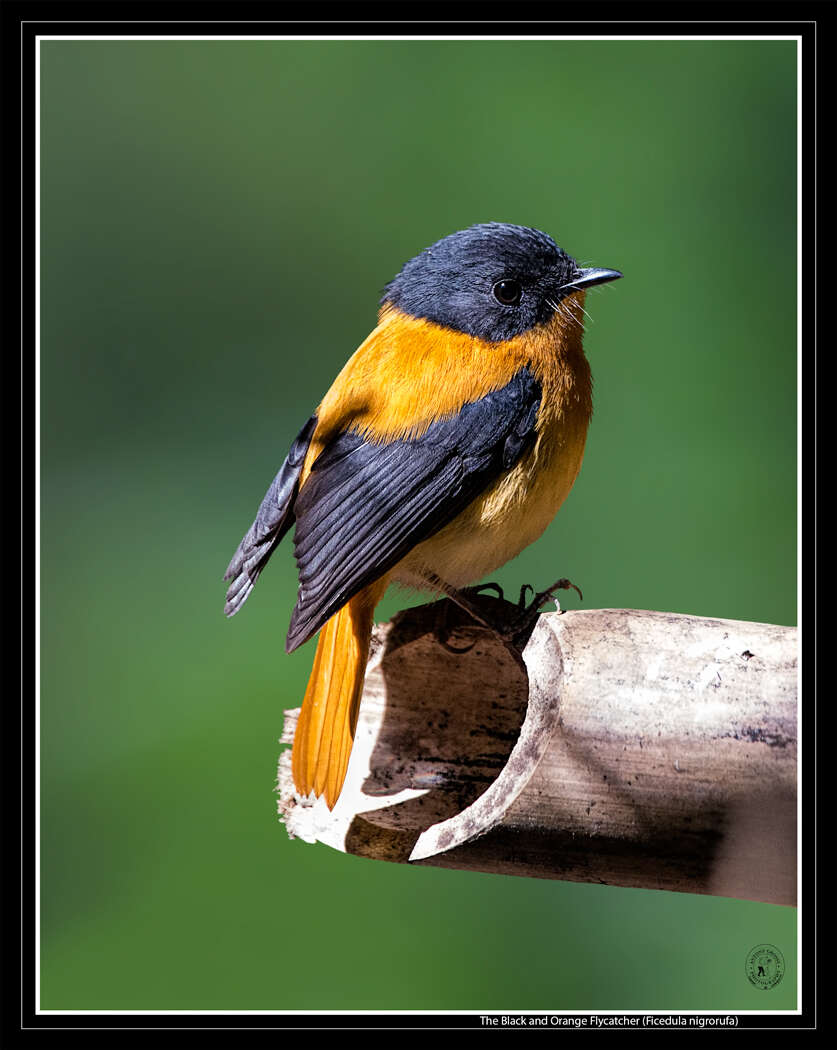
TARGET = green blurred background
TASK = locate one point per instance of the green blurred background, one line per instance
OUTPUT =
(218, 219)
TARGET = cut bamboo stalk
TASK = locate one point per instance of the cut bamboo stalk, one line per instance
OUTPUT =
(623, 747)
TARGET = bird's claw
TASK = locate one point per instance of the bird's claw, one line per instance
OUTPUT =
(518, 631)
(560, 585)
(480, 587)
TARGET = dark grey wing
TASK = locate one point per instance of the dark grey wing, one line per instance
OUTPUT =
(274, 518)
(365, 505)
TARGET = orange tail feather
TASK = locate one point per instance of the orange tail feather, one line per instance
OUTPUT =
(326, 727)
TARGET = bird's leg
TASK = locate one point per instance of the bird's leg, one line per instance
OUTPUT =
(515, 630)
(461, 598)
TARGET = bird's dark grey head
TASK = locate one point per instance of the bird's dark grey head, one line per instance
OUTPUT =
(494, 281)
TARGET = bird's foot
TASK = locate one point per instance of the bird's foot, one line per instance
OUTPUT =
(520, 627)
(510, 624)
(548, 595)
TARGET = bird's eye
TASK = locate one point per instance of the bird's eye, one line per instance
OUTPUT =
(508, 292)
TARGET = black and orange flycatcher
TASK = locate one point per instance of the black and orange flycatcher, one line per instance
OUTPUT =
(444, 447)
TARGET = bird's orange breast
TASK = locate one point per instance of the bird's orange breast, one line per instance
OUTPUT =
(409, 373)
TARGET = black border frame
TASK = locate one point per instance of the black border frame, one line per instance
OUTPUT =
(21, 24)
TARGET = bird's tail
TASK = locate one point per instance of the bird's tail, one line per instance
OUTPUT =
(326, 727)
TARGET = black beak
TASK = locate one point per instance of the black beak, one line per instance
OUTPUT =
(587, 278)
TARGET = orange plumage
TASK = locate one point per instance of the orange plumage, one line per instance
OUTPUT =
(326, 726)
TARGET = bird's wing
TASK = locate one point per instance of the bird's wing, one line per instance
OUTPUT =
(275, 516)
(366, 504)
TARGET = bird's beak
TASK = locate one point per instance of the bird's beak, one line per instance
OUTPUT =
(587, 278)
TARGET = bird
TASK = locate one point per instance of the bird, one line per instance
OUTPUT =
(444, 447)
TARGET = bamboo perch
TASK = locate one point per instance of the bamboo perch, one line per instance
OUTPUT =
(622, 747)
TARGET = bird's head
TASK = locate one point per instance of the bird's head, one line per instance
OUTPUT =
(494, 281)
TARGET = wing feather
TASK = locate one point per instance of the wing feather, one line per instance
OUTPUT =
(273, 519)
(366, 504)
